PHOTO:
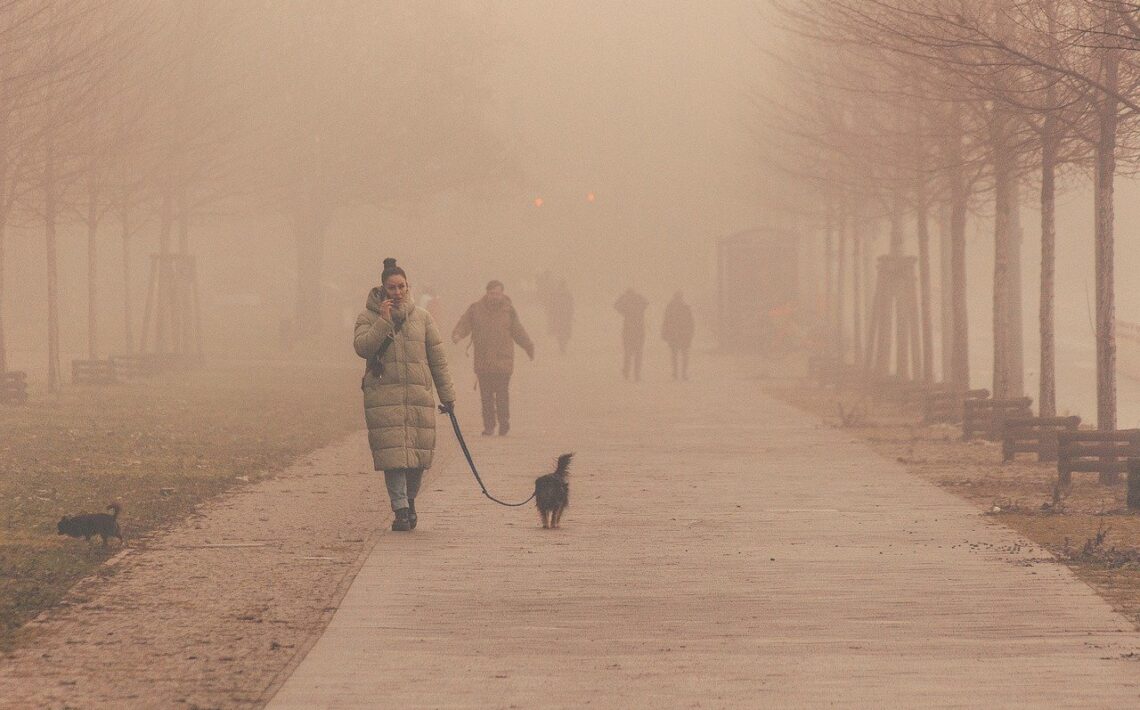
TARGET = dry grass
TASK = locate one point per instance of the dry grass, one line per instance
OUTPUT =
(158, 446)
(1088, 527)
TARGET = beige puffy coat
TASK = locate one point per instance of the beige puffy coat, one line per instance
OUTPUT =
(399, 404)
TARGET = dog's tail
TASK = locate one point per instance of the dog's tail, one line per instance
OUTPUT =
(115, 509)
(563, 468)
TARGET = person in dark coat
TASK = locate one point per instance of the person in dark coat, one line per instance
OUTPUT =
(495, 329)
(631, 305)
(677, 330)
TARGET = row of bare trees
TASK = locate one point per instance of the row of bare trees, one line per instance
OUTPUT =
(136, 119)
(919, 113)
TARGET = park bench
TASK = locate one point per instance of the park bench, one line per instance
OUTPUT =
(945, 405)
(93, 372)
(1102, 452)
(1034, 435)
(987, 416)
(13, 387)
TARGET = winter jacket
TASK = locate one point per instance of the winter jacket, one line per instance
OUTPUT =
(399, 401)
(677, 328)
(494, 329)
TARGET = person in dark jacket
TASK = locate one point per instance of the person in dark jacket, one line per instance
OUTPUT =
(677, 330)
(495, 329)
(631, 305)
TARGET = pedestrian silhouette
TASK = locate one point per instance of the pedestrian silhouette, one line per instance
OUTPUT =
(677, 331)
(494, 327)
(631, 305)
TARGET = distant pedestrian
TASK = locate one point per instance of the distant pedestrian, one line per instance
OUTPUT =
(677, 331)
(405, 363)
(562, 314)
(494, 327)
(631, 305)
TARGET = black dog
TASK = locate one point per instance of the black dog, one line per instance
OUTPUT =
(89, 525)
(552, 492)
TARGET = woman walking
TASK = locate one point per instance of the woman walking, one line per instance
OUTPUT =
(406, 367)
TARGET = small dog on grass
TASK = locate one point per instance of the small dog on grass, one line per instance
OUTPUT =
(89, 525)
(552, 492)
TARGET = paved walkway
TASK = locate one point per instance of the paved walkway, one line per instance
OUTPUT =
(721, 550)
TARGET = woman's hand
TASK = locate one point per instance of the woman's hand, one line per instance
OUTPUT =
(386, 310)
(447, 407)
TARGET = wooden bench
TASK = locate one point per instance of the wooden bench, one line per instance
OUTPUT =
(945, 405)
(1103, 452)
(1034, 435)
(987, 416)
(13, 387)
(93, 372)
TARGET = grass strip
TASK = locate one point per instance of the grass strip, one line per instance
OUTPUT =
(160, 447)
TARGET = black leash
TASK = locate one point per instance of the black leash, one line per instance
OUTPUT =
(471, 462)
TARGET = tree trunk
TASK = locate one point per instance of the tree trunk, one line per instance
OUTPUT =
(902, 366)
(896, 247)
(180, 298)
(1047, 390)
(923, 233)
(857, 234)
(128, 334)
(50, 207)
(1105, 172)
(870, 235)
(828, 260)
(1006, 380)
(958, 375)
(841, 279)
(3, 343)
(162, 273)
(945, 292)
(92, 269)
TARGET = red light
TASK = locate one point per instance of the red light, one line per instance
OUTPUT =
(589, 197)
(538, 202)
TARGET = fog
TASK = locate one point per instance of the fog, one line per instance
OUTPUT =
(611, 144)
(642, 105)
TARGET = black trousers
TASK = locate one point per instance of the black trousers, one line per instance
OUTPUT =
(494, 390)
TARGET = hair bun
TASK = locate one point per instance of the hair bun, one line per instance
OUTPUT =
(389, 263)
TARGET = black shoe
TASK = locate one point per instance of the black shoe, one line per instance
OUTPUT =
(402, 523)
(412, 514)
(488, 432)
(503, 429)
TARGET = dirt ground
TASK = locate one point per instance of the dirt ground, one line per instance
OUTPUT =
(1088, 527)
(160, 446)
(211, 613)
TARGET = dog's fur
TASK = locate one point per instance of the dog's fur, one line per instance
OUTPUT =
(89, 525)
(552, 492)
